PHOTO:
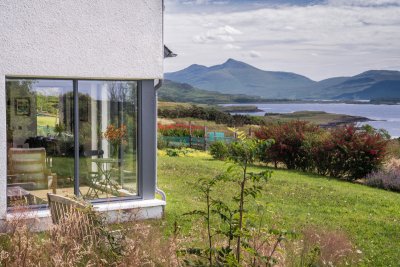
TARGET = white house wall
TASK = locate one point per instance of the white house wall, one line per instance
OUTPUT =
(81, 38)
(94, 39)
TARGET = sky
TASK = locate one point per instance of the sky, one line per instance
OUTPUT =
(316, 38)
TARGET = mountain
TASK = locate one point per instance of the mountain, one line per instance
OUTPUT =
(183, 92)
(350, 86)
(235, 77)
(381, 90)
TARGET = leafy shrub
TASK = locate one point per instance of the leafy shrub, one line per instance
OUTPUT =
(288, 146)
(181, 130)
(319, 148)
(356, 153)
(345, 152)
(175, 152)
(219, 150)
(161, 143)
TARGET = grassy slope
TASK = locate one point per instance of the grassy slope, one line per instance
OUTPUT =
(370, 216)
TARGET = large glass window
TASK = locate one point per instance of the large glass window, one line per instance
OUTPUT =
(107, 134)
(41, 144)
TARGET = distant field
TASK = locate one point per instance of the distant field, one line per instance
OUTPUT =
(371, 217)
(46, 120)
(316, 117)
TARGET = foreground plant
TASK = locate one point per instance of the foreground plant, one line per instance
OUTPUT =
(129, 244)
(229, 224)
(322, 247)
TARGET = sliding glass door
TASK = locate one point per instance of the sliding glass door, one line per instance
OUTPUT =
(44, 139)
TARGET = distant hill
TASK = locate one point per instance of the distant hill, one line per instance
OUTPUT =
(182, 92)
(380, 90)
(235, 77)
(349, 88)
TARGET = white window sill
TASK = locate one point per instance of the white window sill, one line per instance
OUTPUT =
(100, 207)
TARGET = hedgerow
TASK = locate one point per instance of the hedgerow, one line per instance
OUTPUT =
(210, 114)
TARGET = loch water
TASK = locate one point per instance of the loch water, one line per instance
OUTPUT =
(382, 116)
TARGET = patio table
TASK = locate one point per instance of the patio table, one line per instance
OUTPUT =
(103, 179)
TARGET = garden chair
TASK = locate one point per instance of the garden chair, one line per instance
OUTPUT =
(65, 208)
(88, 225)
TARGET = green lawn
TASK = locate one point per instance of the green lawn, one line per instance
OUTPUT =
(371, 217)
(46, 121)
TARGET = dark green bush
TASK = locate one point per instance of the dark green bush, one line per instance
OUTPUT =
(219, 150)
(209, 114)
(173, 152)
(161, 143)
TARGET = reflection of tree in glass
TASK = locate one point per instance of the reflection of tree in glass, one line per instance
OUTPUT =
(122, 96)
(47, 104)
(18, 127)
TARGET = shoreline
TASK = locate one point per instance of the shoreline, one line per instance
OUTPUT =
(287, 101)
(322, 118)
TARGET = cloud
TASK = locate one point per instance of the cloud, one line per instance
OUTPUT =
(254, 54)
(347, 38)
(364, 3)
(224, 34)
(232, 47)
(201, 2)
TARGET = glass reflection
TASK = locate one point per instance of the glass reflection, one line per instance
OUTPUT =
(107, 134)
(40, 140)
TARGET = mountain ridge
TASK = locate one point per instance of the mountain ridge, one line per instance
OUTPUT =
(236, 77)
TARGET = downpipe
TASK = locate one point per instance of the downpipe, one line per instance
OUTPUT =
(158, 190)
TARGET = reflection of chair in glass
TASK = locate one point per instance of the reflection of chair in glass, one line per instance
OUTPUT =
(27, 169)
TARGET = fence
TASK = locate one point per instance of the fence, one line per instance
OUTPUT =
(194, 142)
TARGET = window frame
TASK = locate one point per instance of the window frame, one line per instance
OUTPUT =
(75, 88)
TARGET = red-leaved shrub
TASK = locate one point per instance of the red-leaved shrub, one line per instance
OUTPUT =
(355, 153)
(345, 151)
(289, 138)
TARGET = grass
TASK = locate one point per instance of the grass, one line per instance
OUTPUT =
(316, 117)
(46, 120)
(371, 217)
